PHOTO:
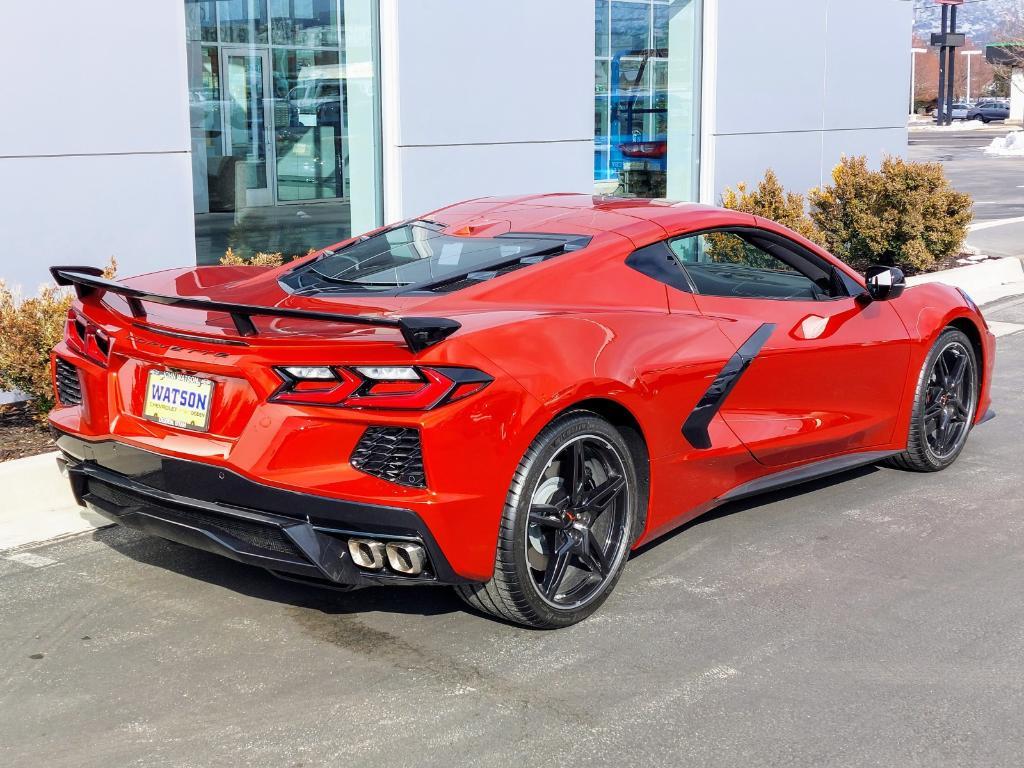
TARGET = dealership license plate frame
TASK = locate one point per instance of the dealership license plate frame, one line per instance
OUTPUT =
(202, 383)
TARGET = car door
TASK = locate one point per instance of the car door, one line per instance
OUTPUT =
(821, 372)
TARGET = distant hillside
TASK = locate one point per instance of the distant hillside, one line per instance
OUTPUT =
(984, 20)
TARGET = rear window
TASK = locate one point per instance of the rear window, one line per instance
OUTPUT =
(420, 256)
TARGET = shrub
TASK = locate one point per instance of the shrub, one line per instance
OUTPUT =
(29, 329)
(771, 201)
(904, 215)
(260, 259)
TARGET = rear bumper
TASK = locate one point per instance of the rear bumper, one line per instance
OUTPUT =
(292, 534)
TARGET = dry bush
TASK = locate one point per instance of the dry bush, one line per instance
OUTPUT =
(260, 259)
(904, 214)
(770, 200)
(29, 329)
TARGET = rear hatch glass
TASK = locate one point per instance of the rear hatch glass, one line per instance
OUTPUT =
(421, 256)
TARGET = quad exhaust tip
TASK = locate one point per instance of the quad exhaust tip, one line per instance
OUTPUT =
(367, 553)
(404, 557)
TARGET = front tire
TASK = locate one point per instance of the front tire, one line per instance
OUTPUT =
(945, 405)
(570, 519)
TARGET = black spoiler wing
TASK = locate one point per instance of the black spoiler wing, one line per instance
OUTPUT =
(418, 332)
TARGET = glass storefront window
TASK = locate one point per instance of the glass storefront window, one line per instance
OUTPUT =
(242, 21)
(646, 97)
(285, 123)
(304, 22)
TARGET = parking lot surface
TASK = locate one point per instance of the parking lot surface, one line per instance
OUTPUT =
(995, 183)
(876, 618)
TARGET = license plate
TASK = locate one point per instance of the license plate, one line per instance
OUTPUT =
(178, 400)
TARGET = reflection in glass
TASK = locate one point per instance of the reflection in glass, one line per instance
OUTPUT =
(646, 110)
(304, 22)
(242, 21)
(601, 23)
(284, 121)
(201, 20)
(309, 143)
(631, 26)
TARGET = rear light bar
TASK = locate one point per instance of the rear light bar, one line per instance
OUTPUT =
(406, 387)
(86, 338)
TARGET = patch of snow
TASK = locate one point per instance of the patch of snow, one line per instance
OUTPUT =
(1011, 145)
(956, 127)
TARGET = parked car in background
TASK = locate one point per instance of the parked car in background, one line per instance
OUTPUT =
(987, 111)
(960, 110)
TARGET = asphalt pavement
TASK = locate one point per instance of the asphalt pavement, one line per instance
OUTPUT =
(995, 183)
(876, 618)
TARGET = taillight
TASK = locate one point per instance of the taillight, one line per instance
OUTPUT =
(86, 338)
(406, 387)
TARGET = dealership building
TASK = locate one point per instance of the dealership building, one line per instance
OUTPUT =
(163, 133)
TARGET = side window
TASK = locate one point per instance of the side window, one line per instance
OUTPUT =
(745, 265)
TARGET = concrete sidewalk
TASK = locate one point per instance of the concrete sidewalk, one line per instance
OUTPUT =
(36, 503)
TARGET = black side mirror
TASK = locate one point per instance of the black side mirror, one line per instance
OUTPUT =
(884, 283)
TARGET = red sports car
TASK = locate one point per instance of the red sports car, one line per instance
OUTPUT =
(505, 395)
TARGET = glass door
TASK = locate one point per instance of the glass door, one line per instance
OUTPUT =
(248, 128)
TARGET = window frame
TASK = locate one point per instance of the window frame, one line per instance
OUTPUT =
(651, 260)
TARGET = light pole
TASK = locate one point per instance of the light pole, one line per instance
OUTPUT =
(968, 54)
(913, 75)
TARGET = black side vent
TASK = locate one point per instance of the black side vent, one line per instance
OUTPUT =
(391, 453)
(69, 384)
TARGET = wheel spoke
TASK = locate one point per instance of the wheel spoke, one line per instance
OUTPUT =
(956, 377)
(546, 515)
(942, 436)
(605, 493)
(577, 473)
(943, 371)
(558, 564)
(595, 557)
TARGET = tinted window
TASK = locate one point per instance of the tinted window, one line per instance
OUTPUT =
(421, 254)
(746, 265)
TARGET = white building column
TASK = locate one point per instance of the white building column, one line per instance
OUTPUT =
(485, 98)
(1017, 95)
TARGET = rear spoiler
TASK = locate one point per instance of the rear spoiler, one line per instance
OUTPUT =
(418, 332)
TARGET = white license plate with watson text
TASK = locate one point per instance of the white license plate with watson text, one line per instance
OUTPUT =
(178, 400)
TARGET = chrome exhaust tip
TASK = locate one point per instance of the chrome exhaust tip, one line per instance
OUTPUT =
(367, 553)
(406, 558)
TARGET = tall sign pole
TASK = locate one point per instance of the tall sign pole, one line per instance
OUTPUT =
(940, 110)
(947, 41)
(950, 66)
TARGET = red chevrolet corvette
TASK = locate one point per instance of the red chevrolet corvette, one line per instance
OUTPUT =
(505, 395)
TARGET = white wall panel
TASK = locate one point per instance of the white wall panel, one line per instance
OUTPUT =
(85, 209)
(485, 98)
(437, 176)
(770, 61)
(867, 82)
(798, 83)
(93, 77)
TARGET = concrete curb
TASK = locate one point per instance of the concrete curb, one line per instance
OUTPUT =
(985, 282)
(37, 503)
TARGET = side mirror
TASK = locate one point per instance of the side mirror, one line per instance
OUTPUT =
(884, 283)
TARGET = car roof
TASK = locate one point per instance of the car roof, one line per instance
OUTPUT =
(574, 213)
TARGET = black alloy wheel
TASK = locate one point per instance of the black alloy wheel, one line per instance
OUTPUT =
(579, 520)
(571, 517)
(949, 400)
(945, 405)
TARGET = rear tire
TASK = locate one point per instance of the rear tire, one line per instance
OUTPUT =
(570, 519)
(945, 405)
